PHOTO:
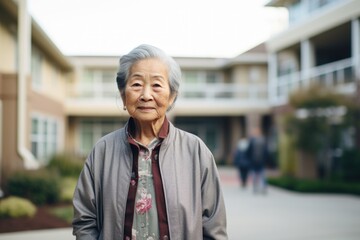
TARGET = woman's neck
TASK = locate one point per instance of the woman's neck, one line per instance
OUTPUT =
(145, 132)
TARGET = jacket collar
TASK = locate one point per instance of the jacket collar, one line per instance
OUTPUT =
(163, 133)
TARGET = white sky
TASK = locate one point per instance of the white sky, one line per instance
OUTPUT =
(201, 28)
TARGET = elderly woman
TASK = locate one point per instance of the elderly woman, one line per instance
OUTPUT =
(149, 180)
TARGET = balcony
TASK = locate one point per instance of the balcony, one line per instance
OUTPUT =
(338, 75)
(209, 99)
(300, 10)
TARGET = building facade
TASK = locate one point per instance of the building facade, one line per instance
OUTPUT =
(33, 78)
(51, 103)
(320, 46)
(219, 100)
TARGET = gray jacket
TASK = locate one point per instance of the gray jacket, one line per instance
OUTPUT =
(194, 201)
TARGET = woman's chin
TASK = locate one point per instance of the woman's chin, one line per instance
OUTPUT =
(146, 117)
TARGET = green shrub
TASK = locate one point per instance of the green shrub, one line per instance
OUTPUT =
(66, 165)
(40, 186)
(350, 165)
(67, 186)
(13, 207)
(315, 186)
(65, 213)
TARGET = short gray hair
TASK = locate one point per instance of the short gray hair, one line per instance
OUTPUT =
(145, 51)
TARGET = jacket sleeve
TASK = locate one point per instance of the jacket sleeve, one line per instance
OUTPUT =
(214, 214)
(85, 222)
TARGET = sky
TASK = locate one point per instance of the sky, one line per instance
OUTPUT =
(189, 28)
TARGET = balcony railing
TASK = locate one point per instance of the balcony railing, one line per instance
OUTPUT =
(300, 10)
(210, 98)
(201, 91)
(223, 91)
(338, 75)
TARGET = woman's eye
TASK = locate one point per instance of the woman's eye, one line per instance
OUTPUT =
(156, 85)
(136, 85)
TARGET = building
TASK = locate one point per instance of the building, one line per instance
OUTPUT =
(51, 103)
(33, 78)
(220, 100)
(321, 45)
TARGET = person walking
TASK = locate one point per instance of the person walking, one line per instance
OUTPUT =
(258, 155)
(241, 161)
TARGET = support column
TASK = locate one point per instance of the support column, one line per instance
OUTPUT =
(1, 136)
(24, 54)
(272, 78)
(307, 60)
(253, 120)
(355, 47)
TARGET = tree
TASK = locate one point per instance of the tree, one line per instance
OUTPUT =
(318, 123)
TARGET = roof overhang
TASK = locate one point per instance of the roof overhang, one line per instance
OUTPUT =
(38, 36)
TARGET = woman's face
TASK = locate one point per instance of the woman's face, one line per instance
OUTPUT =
(147, 92)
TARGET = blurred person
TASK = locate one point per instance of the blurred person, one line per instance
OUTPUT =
(149, 179)
(257, 153)
(241, 161)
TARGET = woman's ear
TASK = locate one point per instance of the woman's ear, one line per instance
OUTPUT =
(123, 98)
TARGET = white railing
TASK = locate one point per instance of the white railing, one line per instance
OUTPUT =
(230, 91)
(96, 91)
(338, 75)
(333, 74)
(208, 91)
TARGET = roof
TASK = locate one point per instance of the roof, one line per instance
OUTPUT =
(278, 3)
(38, 36)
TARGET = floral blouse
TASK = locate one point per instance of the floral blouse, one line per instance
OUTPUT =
(145, 222)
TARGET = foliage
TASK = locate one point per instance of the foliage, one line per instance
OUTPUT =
(321, 124)
(287, 154)
(40, 186)
(350, 165)
(66, 165)
(66, 213)
(315, 133)
(315, 186)
(67, 186)
(14, 207)
(316, 96)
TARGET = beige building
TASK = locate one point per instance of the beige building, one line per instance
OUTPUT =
(33, 78)
(51, 103)
(321, 45)
(220, 99)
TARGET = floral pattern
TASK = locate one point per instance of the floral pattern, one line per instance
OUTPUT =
(143, 204)
(145, 223)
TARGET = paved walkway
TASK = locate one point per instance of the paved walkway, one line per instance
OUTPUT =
(279, 215)
(284, 215)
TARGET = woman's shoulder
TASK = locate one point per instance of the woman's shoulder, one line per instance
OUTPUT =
(187, 135)
(189, 139)
(111, 138)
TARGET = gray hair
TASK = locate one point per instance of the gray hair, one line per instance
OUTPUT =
(145, 51)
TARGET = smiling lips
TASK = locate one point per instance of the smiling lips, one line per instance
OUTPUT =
(144, 108)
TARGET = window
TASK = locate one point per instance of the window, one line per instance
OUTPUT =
(91, 130)
(36, 64)
(202, 76)
(99, 83)
(190, 77)
(44, 138)
(254, 75)
(208, 132)
(211, 77)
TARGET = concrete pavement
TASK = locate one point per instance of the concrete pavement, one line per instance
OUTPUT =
(279, 215)
(284, 215)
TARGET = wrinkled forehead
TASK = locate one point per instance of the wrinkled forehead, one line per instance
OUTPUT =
(152, 66)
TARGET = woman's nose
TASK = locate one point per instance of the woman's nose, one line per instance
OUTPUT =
(146, 94)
